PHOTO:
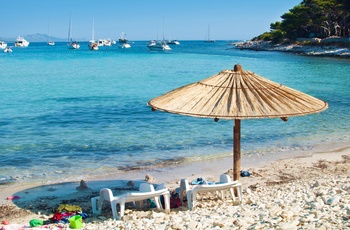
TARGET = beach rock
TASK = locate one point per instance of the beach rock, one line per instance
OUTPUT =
(82, 186)
(149, 178)
(290, 225)
(315, 185)
(287, 215)
(192, 225)
(130, 183)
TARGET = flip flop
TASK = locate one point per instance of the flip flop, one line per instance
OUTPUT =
(12, 197)
(245, 173)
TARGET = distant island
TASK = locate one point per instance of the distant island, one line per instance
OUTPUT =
(314, 27)
(39, 38)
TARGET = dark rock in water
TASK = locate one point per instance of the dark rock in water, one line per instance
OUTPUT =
(130, 183)
(82, 186)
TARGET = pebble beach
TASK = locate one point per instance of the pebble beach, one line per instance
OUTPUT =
(310, 192)
(282, 192)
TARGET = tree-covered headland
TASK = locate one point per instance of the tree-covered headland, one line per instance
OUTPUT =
(311, 21)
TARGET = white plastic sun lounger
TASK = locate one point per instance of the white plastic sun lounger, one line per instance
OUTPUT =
(219, 187)
(146, 192)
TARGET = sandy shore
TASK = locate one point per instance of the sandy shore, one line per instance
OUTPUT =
(298, 193)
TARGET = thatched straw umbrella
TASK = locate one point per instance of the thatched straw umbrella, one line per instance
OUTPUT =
(236, 95)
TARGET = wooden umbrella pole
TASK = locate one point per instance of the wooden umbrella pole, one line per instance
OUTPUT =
(237, 150)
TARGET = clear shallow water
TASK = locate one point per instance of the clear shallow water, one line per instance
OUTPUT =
(78, 112)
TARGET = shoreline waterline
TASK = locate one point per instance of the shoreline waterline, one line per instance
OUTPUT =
(168, 174)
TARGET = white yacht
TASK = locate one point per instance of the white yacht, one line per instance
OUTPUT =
(173, 42)
(101, 42)
(124, 45)
(104, 42)
(152, 43)
(93, 45)
(3, 45)
(21, 42)
(158, 46)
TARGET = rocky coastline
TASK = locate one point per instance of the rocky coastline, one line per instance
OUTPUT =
(313, 49)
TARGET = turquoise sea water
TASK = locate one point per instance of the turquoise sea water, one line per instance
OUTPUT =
(80, 112)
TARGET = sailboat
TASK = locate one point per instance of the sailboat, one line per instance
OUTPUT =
(158, 45)
(50, 43)
(123, 42)
(93, 44)
(209, 40)
(122, 38)
(71, 44)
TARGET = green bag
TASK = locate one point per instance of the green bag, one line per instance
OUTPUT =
(36, 222)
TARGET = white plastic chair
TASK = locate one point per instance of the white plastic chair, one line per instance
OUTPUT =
(146, 192)
(224, 184)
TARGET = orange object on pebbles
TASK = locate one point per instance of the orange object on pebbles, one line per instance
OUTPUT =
(5, 222)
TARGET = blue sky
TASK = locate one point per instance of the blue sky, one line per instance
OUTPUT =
(143, 19)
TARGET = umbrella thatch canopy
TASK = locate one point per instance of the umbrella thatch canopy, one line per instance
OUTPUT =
(237, 94)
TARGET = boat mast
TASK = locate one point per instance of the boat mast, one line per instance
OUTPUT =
(93, 30)
(209, 32)
(48, 31)
(163, 28)
(70, 24)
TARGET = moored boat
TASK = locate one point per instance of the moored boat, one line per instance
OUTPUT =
(173, 42)
(209, 39)
(21, 42)
(8, 50)
(72, 44)
(3, 45)
(122, 38)
(104, 42)
(124, 45)
(50, 42)
(158, 46)
(92, 43)
(151, 43)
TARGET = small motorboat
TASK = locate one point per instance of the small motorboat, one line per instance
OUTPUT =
(173, 42)
(8, 50)
(74, 45)
(3, 45)
(93, 45)
(124, 45)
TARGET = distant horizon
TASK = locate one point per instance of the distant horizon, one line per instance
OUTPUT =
(55, 39)
(182, 20)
